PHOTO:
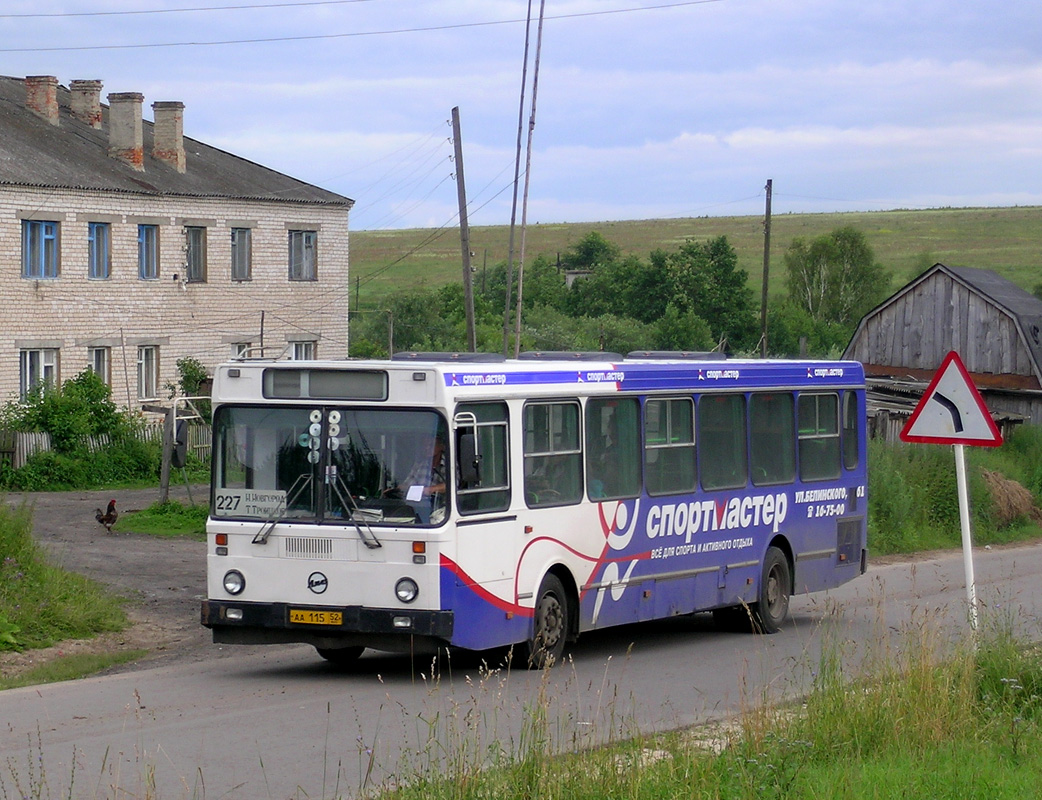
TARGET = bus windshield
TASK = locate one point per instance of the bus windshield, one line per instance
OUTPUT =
(328, 464)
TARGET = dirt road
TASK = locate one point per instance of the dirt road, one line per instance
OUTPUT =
(163, 579)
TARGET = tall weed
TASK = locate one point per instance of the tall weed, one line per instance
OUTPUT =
(40, 603)
(913, 501)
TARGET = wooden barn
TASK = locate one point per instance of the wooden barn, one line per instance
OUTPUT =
(995, 326)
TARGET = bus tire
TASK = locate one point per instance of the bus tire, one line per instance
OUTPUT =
(772, 608)
(550, 626)
(340, 655)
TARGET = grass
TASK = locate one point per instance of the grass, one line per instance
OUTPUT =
(41, 604)
(924, 718)
(70, 667)
(167, 520)
(913, 500)
(1007, 240)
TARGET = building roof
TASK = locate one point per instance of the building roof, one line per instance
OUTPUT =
(74, 155)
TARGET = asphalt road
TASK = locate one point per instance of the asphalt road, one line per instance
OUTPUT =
(203, 721)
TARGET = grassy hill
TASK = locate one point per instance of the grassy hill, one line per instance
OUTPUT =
(1007, 240)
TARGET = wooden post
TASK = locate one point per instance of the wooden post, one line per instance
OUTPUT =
(766, 268)
(169, 419)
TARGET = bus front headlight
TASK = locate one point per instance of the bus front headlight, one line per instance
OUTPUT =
(234, 582)
(406, 589)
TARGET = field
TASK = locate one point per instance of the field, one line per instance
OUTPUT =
(1007, 240)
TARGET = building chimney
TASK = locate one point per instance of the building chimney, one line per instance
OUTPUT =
(41, 96)
(86, 101)
(125, 129)
(168, 141)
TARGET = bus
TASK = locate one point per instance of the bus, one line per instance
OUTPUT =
(472, 501)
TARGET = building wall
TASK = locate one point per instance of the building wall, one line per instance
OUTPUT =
(922, 325)
(74, 312)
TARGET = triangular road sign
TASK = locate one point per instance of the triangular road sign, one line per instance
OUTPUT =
(952, 410)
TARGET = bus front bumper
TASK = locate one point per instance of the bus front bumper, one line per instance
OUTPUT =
(270, 622)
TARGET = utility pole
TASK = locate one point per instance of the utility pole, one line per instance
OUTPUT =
(464, 232)
(766, 268)
(517, 174)
(528, 179)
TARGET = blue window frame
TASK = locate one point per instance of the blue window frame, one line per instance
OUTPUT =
(39, 249)
(98, 238)
(148, 252)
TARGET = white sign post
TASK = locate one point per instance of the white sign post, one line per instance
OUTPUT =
(952, 411)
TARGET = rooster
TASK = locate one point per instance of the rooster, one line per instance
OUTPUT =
(108, 518)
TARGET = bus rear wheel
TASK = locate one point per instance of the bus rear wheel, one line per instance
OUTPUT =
(772, 607)
(340, 655)
(550, 628)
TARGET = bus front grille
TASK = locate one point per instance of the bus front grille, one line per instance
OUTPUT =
(308, 547)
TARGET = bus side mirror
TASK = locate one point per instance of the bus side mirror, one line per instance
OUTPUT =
(469, 462)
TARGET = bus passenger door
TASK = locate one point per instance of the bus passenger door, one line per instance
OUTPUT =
(488, 534)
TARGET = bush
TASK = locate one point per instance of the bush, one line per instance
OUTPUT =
(128, 461)
(81, 407)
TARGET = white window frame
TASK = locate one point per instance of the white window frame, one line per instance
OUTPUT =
(147, 371)
(242, 254)
(36, 367)
(241, 349)
(99, 361)
(304, 351)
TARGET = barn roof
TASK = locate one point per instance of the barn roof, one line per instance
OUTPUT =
(74, 155)
(1020, 306)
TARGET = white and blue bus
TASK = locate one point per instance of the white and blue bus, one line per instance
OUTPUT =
(466, 500)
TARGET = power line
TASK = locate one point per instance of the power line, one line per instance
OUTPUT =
(253, 6)
(355, 34)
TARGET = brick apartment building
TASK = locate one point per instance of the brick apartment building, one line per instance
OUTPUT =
(125, 246)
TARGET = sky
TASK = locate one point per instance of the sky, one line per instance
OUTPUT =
(644, 109)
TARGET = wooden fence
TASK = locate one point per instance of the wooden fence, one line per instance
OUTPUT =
(17, 447)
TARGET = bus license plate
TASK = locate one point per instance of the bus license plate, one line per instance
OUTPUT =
(307, 616)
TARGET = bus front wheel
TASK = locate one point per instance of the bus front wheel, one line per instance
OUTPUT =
(340, 655)
(772, 607)
(550, 628)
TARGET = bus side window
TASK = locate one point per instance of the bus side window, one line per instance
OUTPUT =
(492, 491)
(851, 434)
(612, 448)
(669, 445)
(721, 432)
(772, 438)
(552, 454)
(818, 418)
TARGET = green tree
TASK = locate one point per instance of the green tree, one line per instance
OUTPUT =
(591, 252)
(682, 330)
(788, 324)
(835, 277)
(543, 284)
(626, 287)
(706, 282)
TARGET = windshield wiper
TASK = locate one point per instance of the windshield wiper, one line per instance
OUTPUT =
(365, 533)
(292, 494)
